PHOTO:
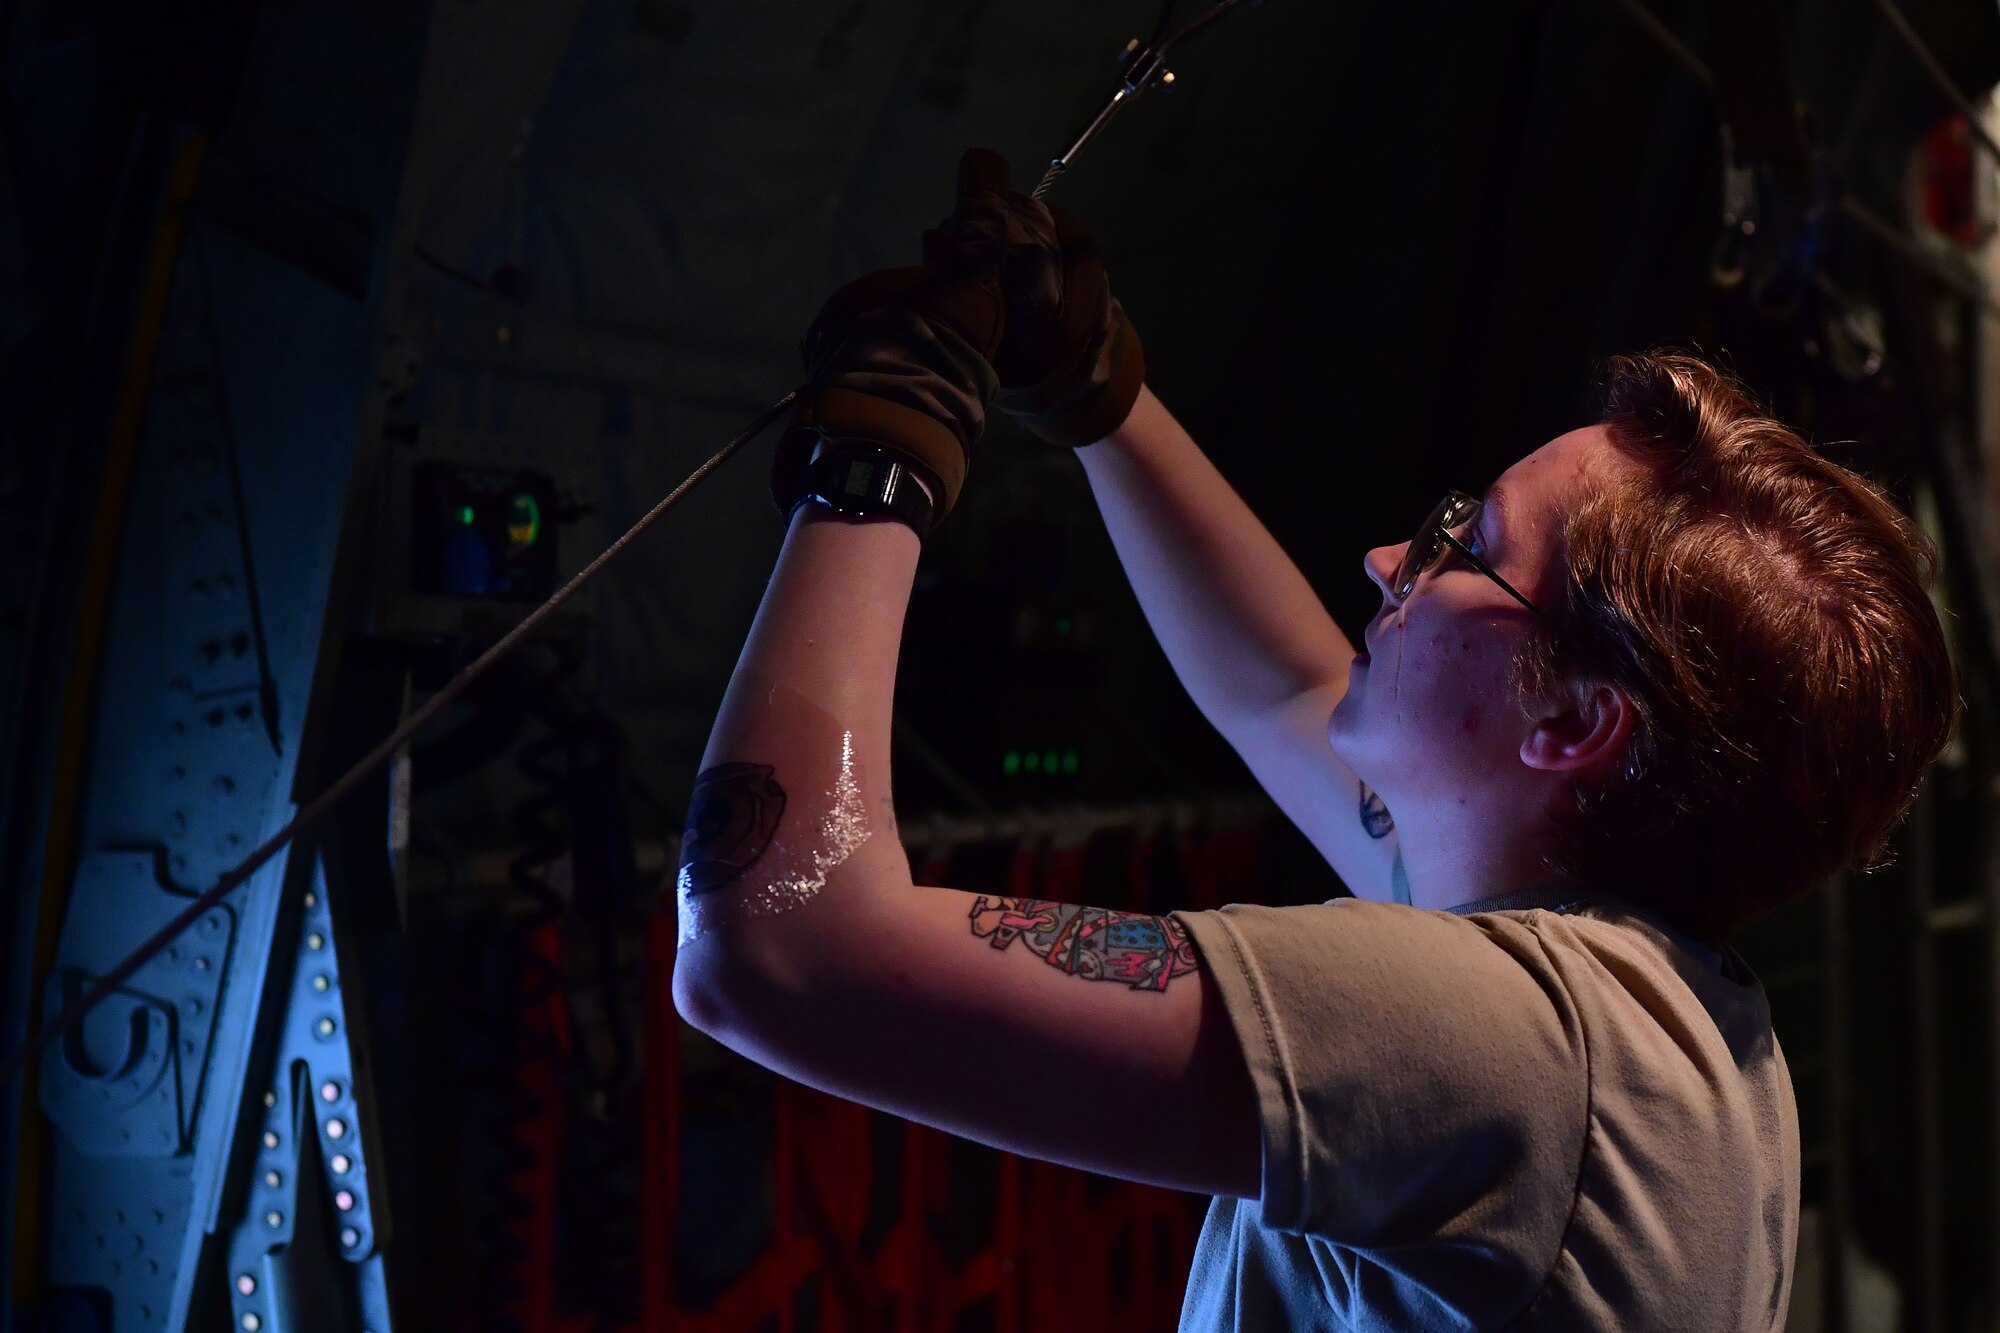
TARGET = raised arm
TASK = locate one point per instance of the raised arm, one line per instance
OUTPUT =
(1245, 632)
(1247, 635)
(1079, 1035)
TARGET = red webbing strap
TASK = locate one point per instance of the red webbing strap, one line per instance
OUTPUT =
(1236, 853)
(660, 1152)
(537, 1132)
(1196, 848)
(833, 1150)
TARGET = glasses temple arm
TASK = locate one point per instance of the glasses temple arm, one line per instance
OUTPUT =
(1487, 570)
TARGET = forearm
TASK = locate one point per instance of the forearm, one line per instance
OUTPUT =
(792, 799)
(1243, 628)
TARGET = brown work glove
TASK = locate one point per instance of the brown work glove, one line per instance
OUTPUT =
(1069, 362)
(898, 358)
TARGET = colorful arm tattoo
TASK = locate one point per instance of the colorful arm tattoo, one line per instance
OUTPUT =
(1144, 952)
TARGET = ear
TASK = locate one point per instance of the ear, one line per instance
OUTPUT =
(1582, 732)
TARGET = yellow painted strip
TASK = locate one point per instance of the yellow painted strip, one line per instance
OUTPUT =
(59, 851)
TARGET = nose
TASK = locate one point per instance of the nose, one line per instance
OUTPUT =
(1381, 565)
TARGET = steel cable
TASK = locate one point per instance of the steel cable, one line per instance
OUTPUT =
(318, 808)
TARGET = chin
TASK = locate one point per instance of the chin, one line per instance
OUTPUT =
(1340, 733)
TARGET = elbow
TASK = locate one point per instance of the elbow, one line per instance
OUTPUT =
(701, 989)
(722, 981)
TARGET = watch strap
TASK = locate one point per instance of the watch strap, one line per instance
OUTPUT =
(857, 480)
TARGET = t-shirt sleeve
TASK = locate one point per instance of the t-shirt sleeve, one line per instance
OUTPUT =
(1421, 1077)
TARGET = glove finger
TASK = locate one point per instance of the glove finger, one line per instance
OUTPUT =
(1032, 279)
(883, 287)
(1069, 231)
(981, 171)
(1086, 293)
(966, 245)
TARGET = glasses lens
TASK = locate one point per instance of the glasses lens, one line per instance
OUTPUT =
(1455, 509)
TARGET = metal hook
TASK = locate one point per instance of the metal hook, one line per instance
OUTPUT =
(1145, 67)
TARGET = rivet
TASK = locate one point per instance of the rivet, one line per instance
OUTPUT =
(324, 1027)
(312, 900)
(191, 1007)
(246, 1284)
(349, 1238)
(340, 1163)
(273, 1179)
(224, 785)
(329, 1091)
(251, 1323)
(336, 1129)
(322, 982)
(315, 941)
(274, 1219)
(201, 964)
(270, 1138)
(343, 1200)
(270, 1100)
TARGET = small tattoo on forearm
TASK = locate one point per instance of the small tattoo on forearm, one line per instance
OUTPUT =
(1375, 817)
(1143, 952)
(731, 821)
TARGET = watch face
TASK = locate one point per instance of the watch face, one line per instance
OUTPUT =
(859, 478)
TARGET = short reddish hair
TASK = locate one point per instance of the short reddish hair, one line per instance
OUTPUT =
(1767, 612)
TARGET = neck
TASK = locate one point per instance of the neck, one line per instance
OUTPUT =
(1459, 862)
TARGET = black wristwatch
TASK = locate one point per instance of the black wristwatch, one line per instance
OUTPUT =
(859, 480)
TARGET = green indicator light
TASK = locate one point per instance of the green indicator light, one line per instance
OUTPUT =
(1063, 625)
(465, 515)
(1031, 761)
(1069, 762)
(1012, 763)
(524, 521)
(1051, 761)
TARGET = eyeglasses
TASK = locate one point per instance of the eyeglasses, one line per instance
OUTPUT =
(1454, 511)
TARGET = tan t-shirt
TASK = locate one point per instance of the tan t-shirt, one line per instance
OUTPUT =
(1522, 1119)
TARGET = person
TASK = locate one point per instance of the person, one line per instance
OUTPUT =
(1669, 672)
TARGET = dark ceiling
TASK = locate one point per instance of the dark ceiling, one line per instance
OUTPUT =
(1375, 249)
